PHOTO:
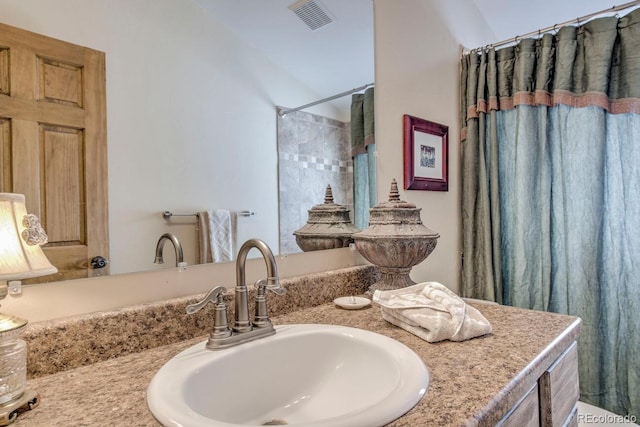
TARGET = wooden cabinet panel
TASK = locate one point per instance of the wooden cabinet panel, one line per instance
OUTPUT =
(525, 413)
(559, 389)
(572, 421)
(552, 401)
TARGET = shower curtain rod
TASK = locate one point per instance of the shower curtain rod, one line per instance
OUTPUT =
(556, 26)
(284, 111)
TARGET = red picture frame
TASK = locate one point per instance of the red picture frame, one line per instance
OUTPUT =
(426, 155)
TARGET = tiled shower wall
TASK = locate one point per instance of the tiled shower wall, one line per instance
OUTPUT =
(313, 152)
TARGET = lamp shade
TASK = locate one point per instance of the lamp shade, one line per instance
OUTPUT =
(20, 238)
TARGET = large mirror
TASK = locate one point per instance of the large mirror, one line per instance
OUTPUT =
(192, 90)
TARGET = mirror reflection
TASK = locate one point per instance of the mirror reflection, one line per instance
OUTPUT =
(313, 152)
(192, 88)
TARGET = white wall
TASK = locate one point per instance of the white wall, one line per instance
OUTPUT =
(191, 121)
(417, 73)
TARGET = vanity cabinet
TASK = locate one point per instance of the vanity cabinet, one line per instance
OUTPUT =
(552, 400)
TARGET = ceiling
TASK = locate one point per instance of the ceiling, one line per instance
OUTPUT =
(340, 56)
(509, 18)
(330, 60)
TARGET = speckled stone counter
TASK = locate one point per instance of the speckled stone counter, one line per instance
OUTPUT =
(75, 341)
(472, 383)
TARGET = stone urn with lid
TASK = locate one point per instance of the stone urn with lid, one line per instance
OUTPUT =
(395, 241)
(329, 226)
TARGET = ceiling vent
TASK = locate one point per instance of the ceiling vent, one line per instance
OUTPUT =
(312, 13)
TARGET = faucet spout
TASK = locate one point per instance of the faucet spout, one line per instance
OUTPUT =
(269, 259)
(176, 246)
(242, 323)
(243, 330)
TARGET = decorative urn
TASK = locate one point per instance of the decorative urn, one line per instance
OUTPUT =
(395, 241)
(328, 227)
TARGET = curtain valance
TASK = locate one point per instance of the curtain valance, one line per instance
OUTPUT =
(595, 64)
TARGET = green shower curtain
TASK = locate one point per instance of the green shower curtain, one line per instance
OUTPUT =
(363, 152)
(551, 190)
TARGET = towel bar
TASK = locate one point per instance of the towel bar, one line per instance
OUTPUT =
(167, 214)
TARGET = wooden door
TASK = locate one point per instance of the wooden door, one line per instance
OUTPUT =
(53, 144)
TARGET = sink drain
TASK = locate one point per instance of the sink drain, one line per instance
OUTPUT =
(275, 423)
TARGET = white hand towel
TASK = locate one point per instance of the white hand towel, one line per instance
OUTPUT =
(432, 312)
(222, 234)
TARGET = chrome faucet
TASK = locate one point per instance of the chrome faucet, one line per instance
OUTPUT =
(243, 330)
(176, 246)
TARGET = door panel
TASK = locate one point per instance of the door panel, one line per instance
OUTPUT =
(5, 153)
(63, 192)
(53, 144)
(4, 71)
(60, 83)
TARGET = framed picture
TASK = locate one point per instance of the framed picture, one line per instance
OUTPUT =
(425, 155)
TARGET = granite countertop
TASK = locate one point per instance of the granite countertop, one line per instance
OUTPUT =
(471, 383)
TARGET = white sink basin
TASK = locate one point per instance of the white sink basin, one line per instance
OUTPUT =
(311, 375)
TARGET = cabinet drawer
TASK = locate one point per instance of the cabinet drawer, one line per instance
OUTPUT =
(525, 413)
(559, 389)
(573, 418)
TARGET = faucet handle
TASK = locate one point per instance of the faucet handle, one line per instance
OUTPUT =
(220, 325)
(212, 296)
(261, 317)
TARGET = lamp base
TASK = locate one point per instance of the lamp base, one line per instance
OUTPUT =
(9, 411)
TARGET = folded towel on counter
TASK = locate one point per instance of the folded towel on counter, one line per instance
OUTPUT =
(432, 312)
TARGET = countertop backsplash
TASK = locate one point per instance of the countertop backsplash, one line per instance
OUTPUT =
(68, 343)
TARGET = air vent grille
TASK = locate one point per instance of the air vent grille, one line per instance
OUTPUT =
(312, 13)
